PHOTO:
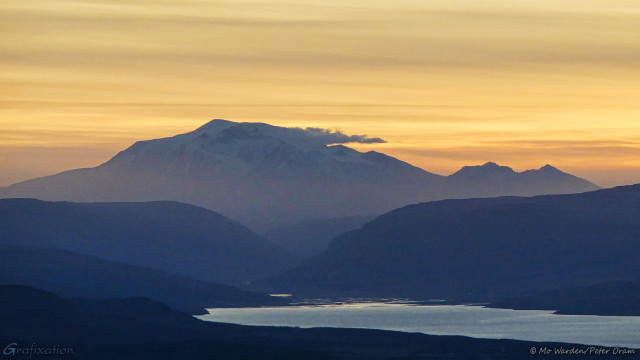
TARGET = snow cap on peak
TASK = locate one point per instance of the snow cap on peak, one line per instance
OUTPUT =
(215, 126)
(293, 135)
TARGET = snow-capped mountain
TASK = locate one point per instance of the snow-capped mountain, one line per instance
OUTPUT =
(266, 176)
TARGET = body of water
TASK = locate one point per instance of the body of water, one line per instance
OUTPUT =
(473, 321)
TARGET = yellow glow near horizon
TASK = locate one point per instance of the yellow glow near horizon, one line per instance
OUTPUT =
(446, 83)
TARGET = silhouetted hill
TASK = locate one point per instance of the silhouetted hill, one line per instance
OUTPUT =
(268, 176)
(491, 180)
(179, 238)
(613, 298)
(73, 275)
(479, 249)
(138, 328)
(307, 239)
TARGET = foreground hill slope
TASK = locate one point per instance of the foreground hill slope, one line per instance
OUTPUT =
(479, 249)
(621, 298)
(178, 238)
(74, 275)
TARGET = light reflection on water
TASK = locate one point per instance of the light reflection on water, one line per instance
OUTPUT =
(474, 321)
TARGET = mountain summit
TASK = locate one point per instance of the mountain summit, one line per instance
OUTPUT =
(488, 170)
(267, 176)
(491, 179)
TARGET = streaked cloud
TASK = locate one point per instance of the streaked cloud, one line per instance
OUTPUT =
(443, 82)
(328, 136)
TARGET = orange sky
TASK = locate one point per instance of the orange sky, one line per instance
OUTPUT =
(446, 83)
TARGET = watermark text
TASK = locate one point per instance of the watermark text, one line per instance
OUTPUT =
(35, 350)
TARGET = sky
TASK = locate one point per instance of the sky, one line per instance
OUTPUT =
(446, 83)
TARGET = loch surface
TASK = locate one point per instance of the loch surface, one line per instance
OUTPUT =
(473, 321)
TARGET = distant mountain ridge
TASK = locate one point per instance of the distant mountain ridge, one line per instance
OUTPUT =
(482, 181)
(268, 176)
(478, 249)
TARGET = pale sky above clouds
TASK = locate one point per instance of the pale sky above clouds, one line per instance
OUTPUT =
(445, 83)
